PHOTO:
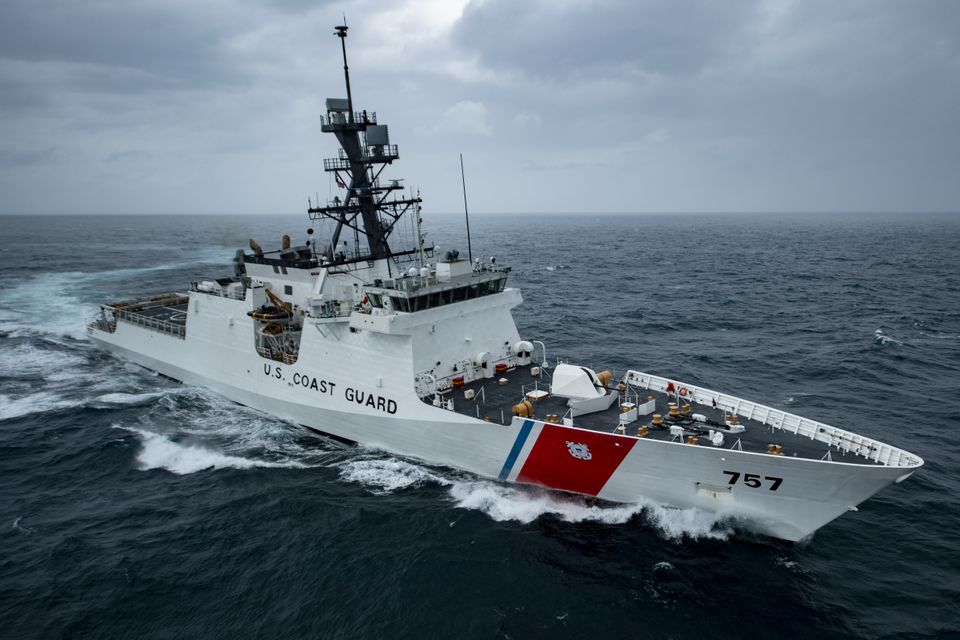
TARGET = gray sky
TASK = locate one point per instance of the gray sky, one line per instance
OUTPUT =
(178, 106)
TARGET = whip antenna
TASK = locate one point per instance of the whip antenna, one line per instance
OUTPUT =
(463, 181)
(341, 32)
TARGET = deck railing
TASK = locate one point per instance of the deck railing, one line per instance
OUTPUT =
(338, 117)
(775, 418)
(239, 294)
(287, 357)
(154, 324)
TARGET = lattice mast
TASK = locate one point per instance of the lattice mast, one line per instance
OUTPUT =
(369, 208)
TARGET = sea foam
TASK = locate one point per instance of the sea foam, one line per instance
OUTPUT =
(16, 407)
(160, 452)
(526, 504)
(386, 475)
(52, 303)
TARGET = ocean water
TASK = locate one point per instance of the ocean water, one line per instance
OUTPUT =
(133, 506)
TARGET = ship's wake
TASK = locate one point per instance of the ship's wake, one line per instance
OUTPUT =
(40, 377)
(46, 362)
(59, 304)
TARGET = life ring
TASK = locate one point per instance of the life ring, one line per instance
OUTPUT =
(683, 391)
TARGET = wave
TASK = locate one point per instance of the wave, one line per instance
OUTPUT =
(45, 304)
(788, 563)
(48, 401)
(885, 339)
(40, 380)
(20, 528)
(209, 255)
(160, 452)
(190, 429)
(525, 504)
(16, 407)
(117, 399)
(386, 475)
(52, 303)
(677, 524)
(27, 360)
(202, 414)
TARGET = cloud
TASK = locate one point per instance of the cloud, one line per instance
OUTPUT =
(580, 39)
(170, 44)
(762, 104)
(465, 117)
(526, 120)
(126, 155)
(21, 158)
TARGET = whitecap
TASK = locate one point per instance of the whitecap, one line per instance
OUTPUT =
(884, 339)
(26, 360)
(49, 303)
(526, 504)
(388, 475)
(160, 452)
(788, 564)
(12, 407)
(22, 529)
(45, 304)
(204, 415)
(129, 399)
(521, 504)
(676, 523)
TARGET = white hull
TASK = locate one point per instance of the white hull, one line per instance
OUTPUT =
(811, 492)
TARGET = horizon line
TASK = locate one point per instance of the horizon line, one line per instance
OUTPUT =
(515, 213)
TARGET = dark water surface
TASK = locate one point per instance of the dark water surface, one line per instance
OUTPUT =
(134, 507)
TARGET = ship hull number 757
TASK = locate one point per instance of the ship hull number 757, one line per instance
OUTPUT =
(754, 480)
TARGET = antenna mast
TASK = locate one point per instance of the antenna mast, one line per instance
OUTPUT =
(466, 215)
(342, 34)
(369, 209)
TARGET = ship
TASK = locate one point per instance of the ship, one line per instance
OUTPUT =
(368, 334)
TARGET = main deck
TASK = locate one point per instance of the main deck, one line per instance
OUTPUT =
(642, 408)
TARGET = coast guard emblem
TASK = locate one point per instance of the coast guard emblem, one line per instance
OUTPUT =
(579, 451)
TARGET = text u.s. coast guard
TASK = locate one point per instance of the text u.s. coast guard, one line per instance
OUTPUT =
(319, 385)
